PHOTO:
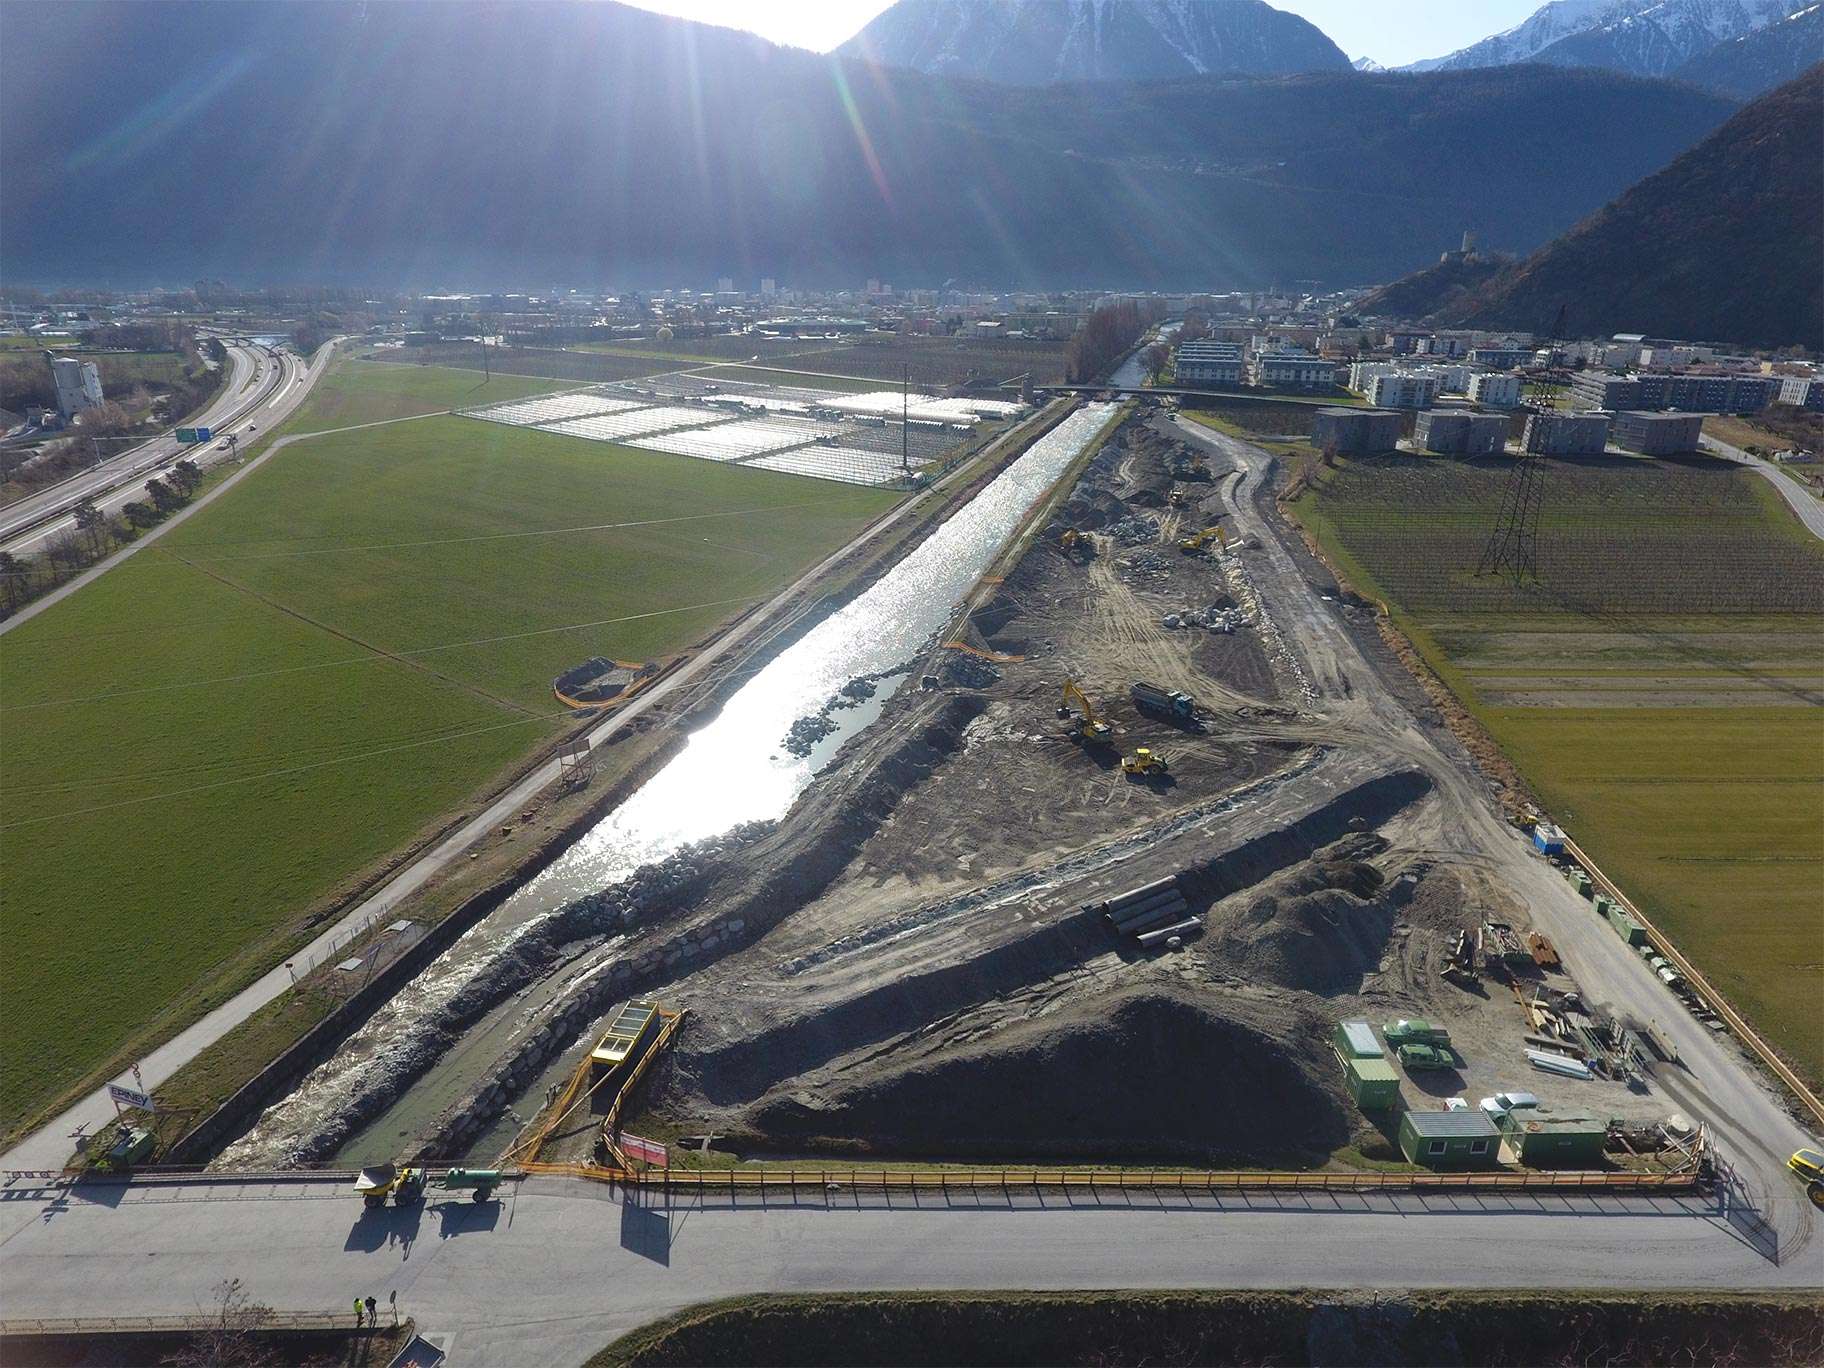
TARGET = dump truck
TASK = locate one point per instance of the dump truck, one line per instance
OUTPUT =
(1151, 698)
(479, 1183)
(403, 1183)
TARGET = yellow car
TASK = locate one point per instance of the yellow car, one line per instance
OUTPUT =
(1809, 1165)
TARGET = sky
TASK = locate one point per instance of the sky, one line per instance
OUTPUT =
(1392, 32)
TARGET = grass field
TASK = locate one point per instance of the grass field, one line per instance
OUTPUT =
(119, 370)
(939, 360)
(222, 731)
(583, 367)
(1661, 687)
(369, 392)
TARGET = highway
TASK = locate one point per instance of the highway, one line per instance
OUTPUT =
(262, 388)
(550, 1272)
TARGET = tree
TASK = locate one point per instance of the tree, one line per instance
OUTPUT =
(186, 476)
(93, 524)
(65, 548)
(164, 498)
(14, 579)
(232, 1339)
(140, 513)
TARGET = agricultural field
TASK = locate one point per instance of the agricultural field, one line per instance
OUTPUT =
(219, 734)
(583, 367)
(940, 360)
(1661, 686)
(367, 392)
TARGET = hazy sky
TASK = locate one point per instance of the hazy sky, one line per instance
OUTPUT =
(1390, 31)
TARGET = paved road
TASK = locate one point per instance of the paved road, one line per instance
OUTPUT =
(259, 378)
(1809, 508)
(550, 1273)
(49, 1146)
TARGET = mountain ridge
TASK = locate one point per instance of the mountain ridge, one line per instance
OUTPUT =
(1640, 37)
(1725, 244)
(414, 144)
(1038, 42)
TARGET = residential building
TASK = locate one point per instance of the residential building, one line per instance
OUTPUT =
(1293, 370)
(1340, 429)
(1801, 391)
(1361, 372)
(1656, 434)
(1209, 363)
(1402, 391)
(1495, 390)
(1450, 1139)
(1452, 379)
(1459, 432)
(1566, 434)
(1688, 392)
(1501, 358)
(78, 384)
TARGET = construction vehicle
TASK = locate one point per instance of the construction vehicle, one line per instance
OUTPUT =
(403, 1183)
(479, 1183)
(1199, 541)
(1142, 763)
(1178, 498)
(1189, 468)
(1074, 543)
(1180, 707)
(1089, 726)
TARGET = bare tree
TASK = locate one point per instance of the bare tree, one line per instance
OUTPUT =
(15, 579)
(232, 1338)
(65, 548)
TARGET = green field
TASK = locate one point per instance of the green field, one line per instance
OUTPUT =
(357, 392)
(1661, 686)
(305, 675)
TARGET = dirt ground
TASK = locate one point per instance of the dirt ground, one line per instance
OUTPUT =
(924, 974)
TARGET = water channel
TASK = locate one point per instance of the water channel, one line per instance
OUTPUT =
(735, 769)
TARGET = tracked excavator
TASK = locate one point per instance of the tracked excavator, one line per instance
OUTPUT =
(1088, 725)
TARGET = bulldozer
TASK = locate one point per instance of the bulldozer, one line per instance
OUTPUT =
(1142, 763)
(1088, 725)
(403, 1183)
(1199, 541)
(1076, 544)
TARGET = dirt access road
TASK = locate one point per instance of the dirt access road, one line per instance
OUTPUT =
(1716, 1083)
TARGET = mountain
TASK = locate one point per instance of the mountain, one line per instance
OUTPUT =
(526, 145)
(1036, 42)
(1724, 245)
(1432, 289)
(1641, 37)
(1543, 27)
(1367, 64)
(1758, 61)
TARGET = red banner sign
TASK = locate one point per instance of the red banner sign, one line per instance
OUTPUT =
(646, 1151)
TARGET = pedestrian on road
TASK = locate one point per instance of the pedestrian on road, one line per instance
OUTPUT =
(393, 1300)
(357, 1313)
(373, 1312)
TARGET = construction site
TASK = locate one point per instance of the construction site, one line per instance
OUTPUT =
(1080, 835)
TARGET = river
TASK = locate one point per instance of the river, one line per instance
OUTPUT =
(731, 771)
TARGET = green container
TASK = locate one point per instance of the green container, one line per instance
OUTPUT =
(1373, 1083)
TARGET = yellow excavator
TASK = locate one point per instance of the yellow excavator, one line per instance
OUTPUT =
(1198, 541)
(1142, 763)
(1088, 725)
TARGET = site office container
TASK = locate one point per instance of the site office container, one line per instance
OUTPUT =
(1542, 1139)
(1450, 1139)
(1373, 1083)
(1355, 1040)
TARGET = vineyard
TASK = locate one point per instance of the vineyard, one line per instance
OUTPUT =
(1616, 535)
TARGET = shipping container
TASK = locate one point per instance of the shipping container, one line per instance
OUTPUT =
(1372, 1083)
(1355, 1040)
(1456, 1139)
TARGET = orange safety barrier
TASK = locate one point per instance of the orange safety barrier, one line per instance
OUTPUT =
(750, 1180)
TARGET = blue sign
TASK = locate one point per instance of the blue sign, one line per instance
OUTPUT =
(204, 434)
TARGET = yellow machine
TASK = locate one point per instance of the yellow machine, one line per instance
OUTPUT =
(403, 1183)
(1076, 544)
(1197, 541)
(1179, 498)
(1090, 725)
(1143, 762)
